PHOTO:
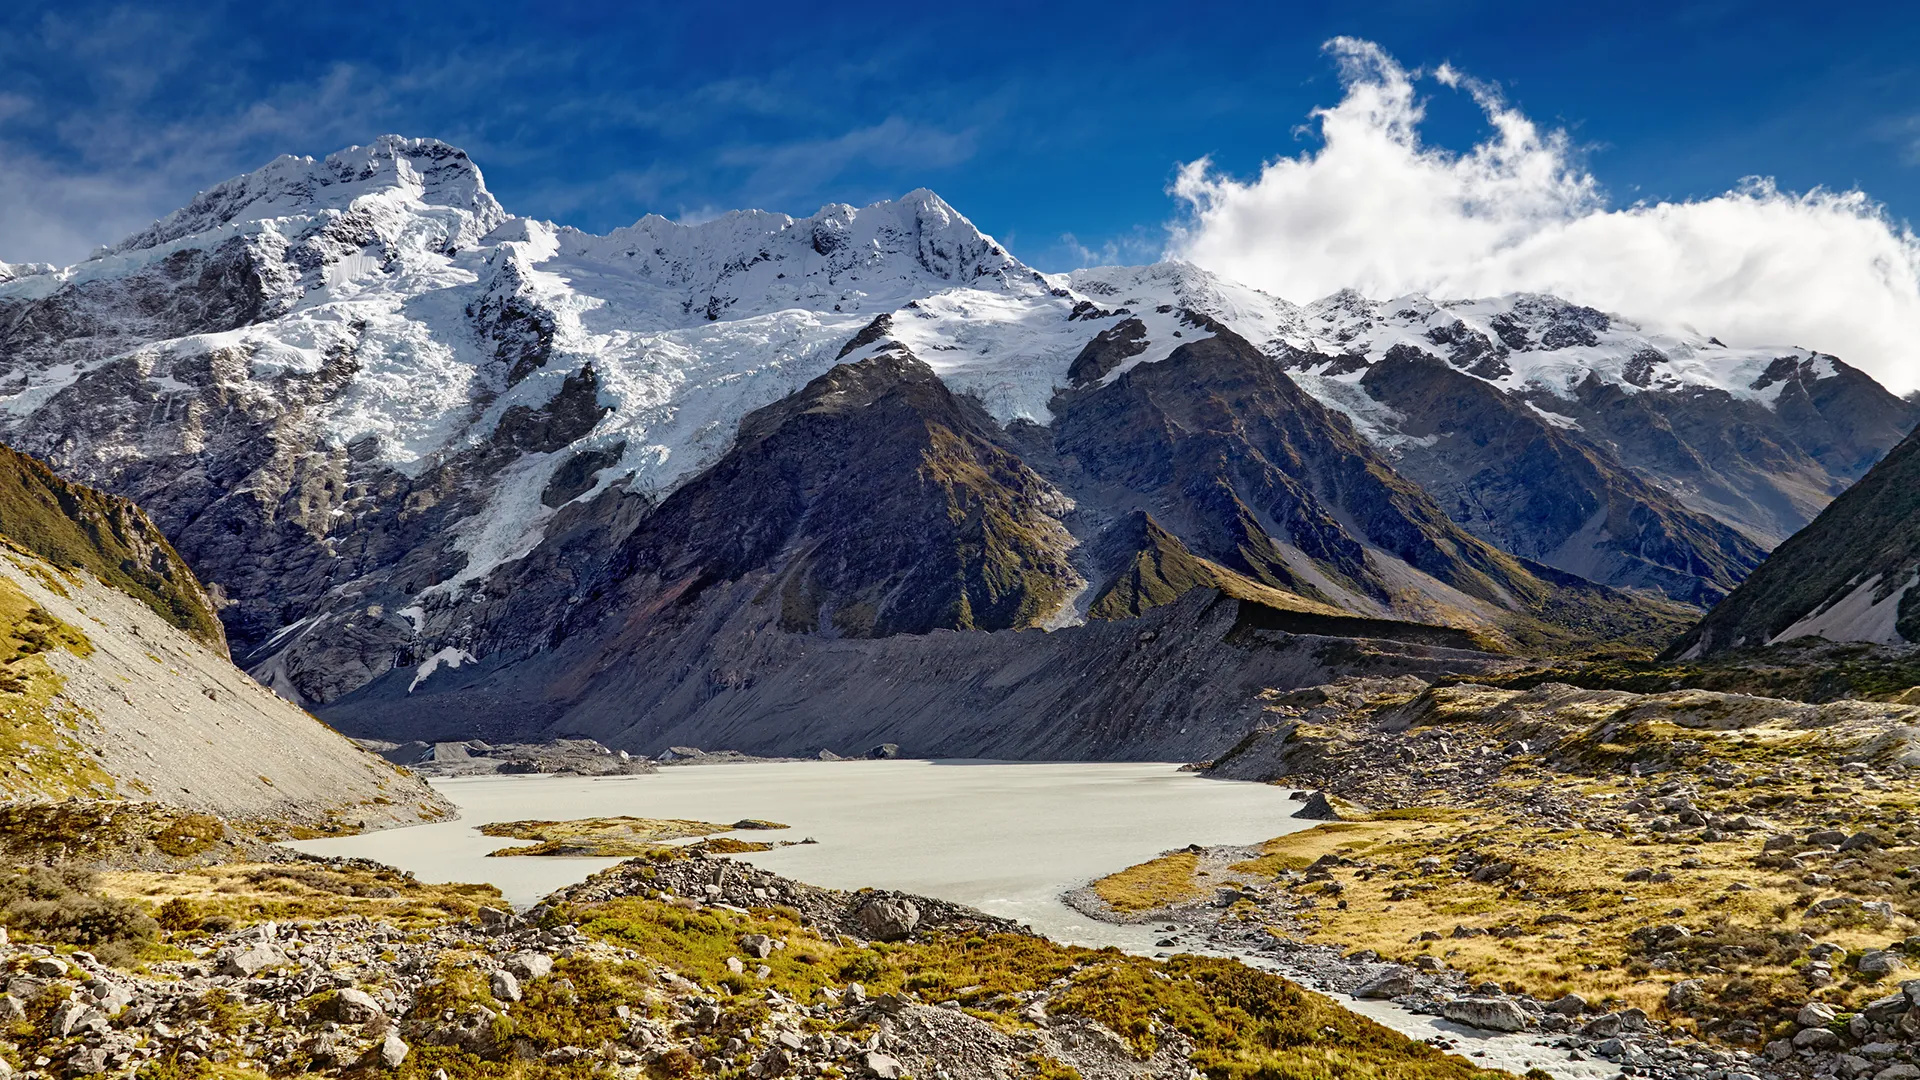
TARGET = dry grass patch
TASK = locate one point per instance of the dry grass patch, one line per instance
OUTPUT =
(1563, 918)
(611, 837)
(237, 894)
(1245, 1024)
(1162, 882)
(41, 753)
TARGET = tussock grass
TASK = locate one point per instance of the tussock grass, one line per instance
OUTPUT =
(40, 751)
(611, 837)
(239, 894)
(1162, 882)
(1572, 916)
(1244, 1023)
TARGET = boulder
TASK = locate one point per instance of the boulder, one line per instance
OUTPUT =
(883, 1066)
(1317, 808)
(1603, 1027)
(392, 1051)
(1879, 962)
(1569, 1005)
(883, 752)
(1391, 984)
(1493, 871)
(48, 967)
(503, 986)
(889, 918)
(530, 965)
(248, 962)
(1814, 1038)
(349, 1006)
(1814, 1014)
(1886, 1008)
(758, 946)
(1686, 994)
(1488, 1014)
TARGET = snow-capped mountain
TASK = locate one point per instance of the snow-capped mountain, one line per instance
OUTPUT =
(401, 430)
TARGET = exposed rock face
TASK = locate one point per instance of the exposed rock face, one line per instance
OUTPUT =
(882, 504)
(1512, 477)
(1759, 439)
(1849, 576)
(1265, 481)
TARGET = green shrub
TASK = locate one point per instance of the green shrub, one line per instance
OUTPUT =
(59, 905)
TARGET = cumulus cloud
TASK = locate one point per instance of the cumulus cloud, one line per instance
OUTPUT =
(1375, 209)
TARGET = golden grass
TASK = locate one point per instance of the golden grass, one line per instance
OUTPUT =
(297, 892)
(1244, 1024)
(1566, 897)
(40, 751)
(609, 837)
(1162, 882)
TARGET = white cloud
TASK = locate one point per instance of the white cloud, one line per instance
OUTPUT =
(1374, 208)
(1126, 249)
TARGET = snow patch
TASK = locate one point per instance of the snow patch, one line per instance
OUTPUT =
(451, 657)
(1857, 616)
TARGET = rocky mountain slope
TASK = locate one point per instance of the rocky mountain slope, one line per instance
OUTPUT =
(403, 434)
(115, 683)
(1849, 576)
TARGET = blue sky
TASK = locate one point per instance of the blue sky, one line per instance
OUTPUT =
(1056, 126)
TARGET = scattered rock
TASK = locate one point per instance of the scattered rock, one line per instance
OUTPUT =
(1488, 1014)
(1396, 982)
(351, 1005)
(889, 918)
(392, 1051)
(249, 962)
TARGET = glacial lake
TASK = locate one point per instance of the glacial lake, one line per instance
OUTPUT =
(1007, 838)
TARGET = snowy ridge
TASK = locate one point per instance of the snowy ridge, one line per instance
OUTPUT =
(1525, 341)
(405, 322)
(13, 271)
(430, 171)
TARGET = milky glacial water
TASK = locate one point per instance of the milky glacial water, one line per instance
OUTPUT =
(1007, 838)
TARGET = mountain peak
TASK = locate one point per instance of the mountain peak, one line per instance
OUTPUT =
(426, 171)
(840, 258)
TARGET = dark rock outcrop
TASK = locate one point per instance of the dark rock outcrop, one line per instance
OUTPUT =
(1862, 552)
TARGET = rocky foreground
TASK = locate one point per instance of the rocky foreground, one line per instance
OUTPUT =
(667, 967)
(1685, 884)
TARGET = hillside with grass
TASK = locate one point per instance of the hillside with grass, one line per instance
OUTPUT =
(115, 684)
